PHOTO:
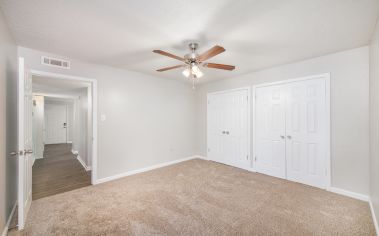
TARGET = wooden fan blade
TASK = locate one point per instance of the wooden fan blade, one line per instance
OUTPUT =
(170, 68)
(219, 66)
(211, 53)
(169, 55)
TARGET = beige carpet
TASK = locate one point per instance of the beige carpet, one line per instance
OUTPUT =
(199, 197)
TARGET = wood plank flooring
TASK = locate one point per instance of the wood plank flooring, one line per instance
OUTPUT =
(59, 171)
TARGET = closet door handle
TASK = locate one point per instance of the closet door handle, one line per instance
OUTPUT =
(223, 132)
(227, 132)
(282, 137)
(289, 136)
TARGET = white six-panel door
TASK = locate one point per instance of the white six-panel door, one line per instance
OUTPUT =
(305, 132)
(228, 127)
(25, 159)
(291, 131)
(270, 155)
(55, 123)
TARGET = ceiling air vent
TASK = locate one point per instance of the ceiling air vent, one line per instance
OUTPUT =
(49, 61)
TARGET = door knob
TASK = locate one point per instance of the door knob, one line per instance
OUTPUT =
(28, 151)
(227, 132)
(13, 153)
(282, 136)
(223, 132)
(289, 136)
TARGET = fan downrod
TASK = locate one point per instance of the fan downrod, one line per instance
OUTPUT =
(193, 46)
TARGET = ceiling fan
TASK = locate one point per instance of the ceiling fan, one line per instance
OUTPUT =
(193, 60)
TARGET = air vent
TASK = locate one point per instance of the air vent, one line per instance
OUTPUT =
(49, 61)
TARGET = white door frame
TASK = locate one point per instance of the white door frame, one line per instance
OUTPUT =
(248, 119)
(326, 76)
(94, 111)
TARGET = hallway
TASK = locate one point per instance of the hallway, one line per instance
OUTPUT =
(58, 172)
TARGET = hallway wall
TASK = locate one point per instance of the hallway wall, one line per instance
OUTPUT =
(81, 135)
(38, 126)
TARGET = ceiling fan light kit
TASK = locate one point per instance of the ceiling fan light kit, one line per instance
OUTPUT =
(193, 60)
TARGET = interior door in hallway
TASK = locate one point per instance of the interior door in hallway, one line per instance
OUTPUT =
(55, 123)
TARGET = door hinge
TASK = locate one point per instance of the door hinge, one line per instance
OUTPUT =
(255, 158)
(209, 149)
(247, 157)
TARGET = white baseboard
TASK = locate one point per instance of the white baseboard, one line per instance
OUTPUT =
(374, 217)
(74, 152)
(5, 231)
(347, 193)
(68, 141)
(199, 157)
(133, 172)
(87, 168)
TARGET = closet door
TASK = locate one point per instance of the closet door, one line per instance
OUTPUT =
(228, 128)
(306, 132)
(216, 127)
(270, 151)
(237, 129)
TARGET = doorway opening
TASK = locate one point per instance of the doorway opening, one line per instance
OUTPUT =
(62, 133)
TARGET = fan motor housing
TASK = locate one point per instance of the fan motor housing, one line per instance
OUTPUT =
(191, 57)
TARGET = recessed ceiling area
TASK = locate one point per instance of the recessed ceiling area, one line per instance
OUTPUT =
(256, 34)
(55, 100)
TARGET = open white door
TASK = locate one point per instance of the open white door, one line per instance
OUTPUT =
(25, 159)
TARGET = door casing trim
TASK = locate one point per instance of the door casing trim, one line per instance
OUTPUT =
(94, 111)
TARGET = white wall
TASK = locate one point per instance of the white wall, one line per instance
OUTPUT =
(8, 123)
(148, 120)
(70, 122)
(38, 126)
(89, 127)
(374, 121)
(349, 110)
(81, 142)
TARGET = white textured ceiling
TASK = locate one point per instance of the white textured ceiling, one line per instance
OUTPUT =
(256, 34)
